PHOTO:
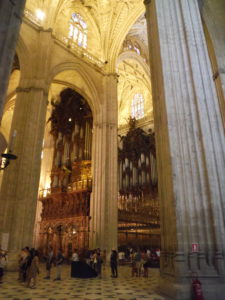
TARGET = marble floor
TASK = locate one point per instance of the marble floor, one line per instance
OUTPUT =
(122, 288)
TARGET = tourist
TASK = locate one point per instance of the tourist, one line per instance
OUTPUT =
(121, 256)
(49, 262)
(58, 262)
(99, 263)
(137, 259)
(148, 253)
(87, 257)
(113, 263)
(24, 263)
(20, 263)
(75, 256)
(158, 252)
(33, 270)
(144, 261)
(92, 259)
(3, 263)
(74, 263)
(95, 261)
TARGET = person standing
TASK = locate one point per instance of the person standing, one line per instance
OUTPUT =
(33, 270)
(137, 259)
(3, 263)
(74, 263)
(49, 262)
(75, 256)
(24, 264)
(95, 261)
(113, 263)
(99, 263)
(58, 262)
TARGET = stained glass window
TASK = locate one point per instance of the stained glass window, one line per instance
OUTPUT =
(78, 30)
(137, 106)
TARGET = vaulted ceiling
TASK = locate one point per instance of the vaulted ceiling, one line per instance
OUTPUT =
(109, 21)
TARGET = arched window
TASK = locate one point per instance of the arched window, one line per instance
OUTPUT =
(78, 30)
(137, 107)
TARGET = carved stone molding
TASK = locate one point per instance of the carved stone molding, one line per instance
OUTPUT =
(105, 124)
(31, 88)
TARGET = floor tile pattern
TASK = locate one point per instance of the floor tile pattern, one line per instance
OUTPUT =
(124, 287)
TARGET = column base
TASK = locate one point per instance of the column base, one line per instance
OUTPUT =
(13, 261)
(212, 288)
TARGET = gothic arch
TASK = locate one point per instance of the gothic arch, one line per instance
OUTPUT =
(134, 56)
(117, 42)
(23, 55)
(93, 100)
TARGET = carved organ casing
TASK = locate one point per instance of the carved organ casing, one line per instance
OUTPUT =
(138, 191)
(65, 213)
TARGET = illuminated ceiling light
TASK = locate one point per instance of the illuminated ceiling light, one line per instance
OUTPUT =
(40, 14)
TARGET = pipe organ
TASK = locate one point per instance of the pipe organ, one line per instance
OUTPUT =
(138, 191)
(66, 205)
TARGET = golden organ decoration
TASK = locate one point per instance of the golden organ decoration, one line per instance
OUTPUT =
(66, 206)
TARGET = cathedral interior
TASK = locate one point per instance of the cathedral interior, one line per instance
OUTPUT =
(112, 132)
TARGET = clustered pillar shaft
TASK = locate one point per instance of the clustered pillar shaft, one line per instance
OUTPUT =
(11, 13)
(190, 149)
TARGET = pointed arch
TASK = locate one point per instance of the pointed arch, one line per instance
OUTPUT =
(117, 42)
(93, 100)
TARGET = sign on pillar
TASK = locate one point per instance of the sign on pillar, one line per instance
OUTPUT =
(194, 248)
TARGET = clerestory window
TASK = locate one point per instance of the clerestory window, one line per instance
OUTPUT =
(137, 106)
(78, 30)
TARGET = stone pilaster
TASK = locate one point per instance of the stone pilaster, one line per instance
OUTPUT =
(10, 20)
(104, 208)
(190, 150)
(18, 198)
(213, 14)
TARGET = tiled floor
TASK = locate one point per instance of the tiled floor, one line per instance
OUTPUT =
(122, 288)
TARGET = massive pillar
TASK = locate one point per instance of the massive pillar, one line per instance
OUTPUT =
(18, 196)
(190, 150)
(103, 231)
(10, 20)
(213, 14)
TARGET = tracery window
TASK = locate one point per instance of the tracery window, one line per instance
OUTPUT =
(78, 30)
(137, 106)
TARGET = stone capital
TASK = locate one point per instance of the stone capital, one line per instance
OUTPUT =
(114, 75)
(146, 2)
(31, 88)
(105, 124)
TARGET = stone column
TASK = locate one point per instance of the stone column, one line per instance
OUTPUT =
(190, 150)
(213, 14)
(11, 12)
(104, 207)
(18, 197)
